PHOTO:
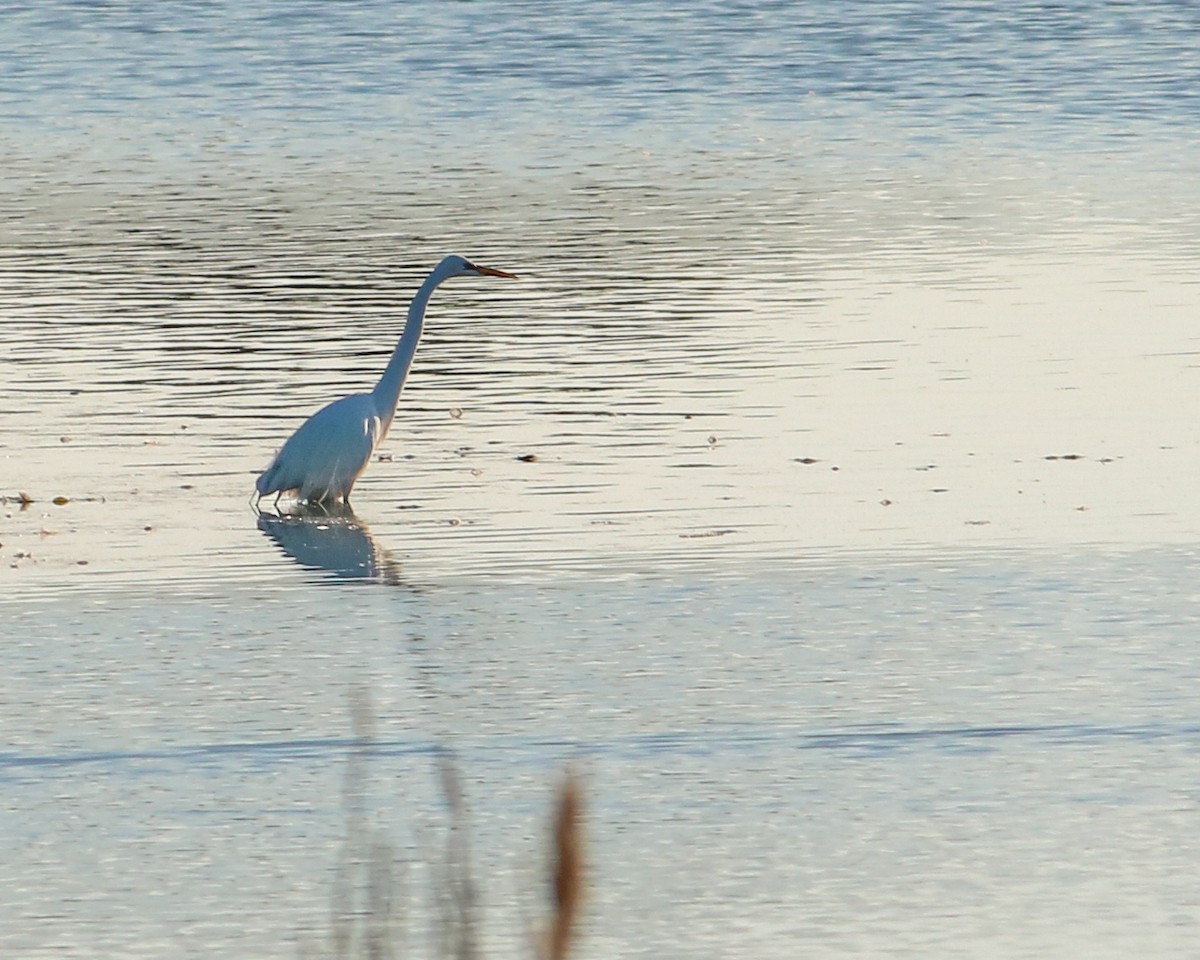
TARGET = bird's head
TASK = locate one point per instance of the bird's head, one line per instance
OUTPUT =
(454, 265)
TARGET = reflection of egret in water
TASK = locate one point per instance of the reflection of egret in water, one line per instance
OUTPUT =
(329, 537)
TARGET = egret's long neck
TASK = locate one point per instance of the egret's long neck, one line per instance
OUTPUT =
(387, 391)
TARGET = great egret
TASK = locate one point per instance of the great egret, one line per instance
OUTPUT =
(326, 454)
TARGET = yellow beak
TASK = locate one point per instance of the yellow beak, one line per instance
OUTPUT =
(489, 272)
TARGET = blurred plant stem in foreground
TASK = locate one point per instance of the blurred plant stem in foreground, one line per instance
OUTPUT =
(365, 923)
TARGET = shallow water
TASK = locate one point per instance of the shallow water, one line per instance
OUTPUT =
(899, 759)
(822, 490)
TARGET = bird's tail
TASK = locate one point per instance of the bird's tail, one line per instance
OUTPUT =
(265, 480)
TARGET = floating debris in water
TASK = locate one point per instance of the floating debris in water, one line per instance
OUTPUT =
(528, 458)
(1065, 456)
(706, 533)
(456, 413)
(60, 501)
(807, 460)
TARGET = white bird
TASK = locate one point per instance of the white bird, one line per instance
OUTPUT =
(321, 461)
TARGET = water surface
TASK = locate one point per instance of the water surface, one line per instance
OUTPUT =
(822, 490)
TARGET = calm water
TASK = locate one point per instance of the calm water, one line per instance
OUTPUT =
(823, 490)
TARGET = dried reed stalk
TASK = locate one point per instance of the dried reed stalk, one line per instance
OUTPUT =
(566, 870)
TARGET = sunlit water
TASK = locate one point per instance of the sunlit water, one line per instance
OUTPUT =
(823, 490)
